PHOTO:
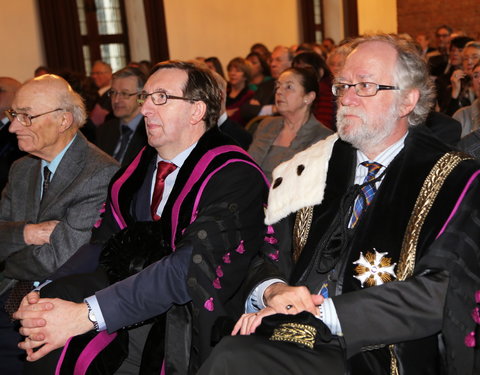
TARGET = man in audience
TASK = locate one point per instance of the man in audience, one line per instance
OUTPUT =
(438, 59)
(262, 103)
(9, 151)
(102, 76)
(52, 198)
(125, 135)
(209, 227)
(386, 227)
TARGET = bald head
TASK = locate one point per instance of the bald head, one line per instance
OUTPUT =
(8, 88)
(55, 91)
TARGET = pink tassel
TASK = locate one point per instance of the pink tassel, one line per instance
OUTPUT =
(216, 283)
(219, 271)
(470, 340)
(270, 240)
(274, 256)
(226, 258)
(477, 296)
(209, 304)
(476, 315)
(240, 249)
(270, 230)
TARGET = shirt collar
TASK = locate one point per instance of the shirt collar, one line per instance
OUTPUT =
(133, 124)
(180, 158)
(53, 165)
(223, 117)
(386, 156)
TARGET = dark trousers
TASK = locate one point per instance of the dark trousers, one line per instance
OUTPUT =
(11, 357)
(257, 355)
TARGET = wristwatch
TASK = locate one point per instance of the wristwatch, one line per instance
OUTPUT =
(91, 316)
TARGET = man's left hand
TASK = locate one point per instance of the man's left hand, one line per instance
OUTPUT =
(49, 323)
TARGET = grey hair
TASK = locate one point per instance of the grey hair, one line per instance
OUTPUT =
(72, 102)
(411, 72)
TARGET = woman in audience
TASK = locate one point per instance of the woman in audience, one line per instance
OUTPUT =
(324, 109)
(260, 70)
(238, 92)
(469, 116)
(214, 64)
(278, 139)
(462, 93)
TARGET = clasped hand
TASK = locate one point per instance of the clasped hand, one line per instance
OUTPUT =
(48, 323)
(280, 299)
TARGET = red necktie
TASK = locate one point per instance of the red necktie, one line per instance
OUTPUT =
(163, 170)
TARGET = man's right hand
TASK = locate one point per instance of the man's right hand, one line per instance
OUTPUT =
(39, 234)
(285, 299)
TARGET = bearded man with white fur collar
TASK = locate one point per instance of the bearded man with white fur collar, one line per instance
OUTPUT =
(377, 230)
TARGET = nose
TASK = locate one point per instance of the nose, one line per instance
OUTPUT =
(350, 97)
(147, 106)
(14, 125)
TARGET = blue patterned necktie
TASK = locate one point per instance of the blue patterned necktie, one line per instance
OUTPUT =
(367, 192)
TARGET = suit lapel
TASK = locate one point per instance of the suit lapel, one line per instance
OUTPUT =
(33, 189)
(67, 171)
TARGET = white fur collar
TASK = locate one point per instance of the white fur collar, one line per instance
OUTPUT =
(302, 183)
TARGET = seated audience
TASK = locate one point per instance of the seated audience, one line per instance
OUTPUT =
(277, 139)
(469, 116)
(226, 124)
(215, 65)
(336, 59)
(124, 135)
(238, 92)
(379, 238)
(102, 76)
(262, 102)
(260, 70)
(52, 198)
(9, 151)
(324, 108)
(262, 50)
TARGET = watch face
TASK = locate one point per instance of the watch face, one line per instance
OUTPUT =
(91, 316)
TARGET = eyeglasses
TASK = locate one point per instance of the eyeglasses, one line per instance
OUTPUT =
(24, 118)
(121, 94)
(159, 97)
(361, 88)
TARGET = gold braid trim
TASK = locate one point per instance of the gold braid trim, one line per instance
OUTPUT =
(303, 221)
(295, 333)
(430, 189)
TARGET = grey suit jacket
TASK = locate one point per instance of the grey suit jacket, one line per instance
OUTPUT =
(75, 196)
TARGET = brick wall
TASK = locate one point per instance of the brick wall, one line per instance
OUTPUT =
(415, 16)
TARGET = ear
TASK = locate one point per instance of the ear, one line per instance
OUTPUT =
(309, 98)
(67, 121)
(198, 112)
(409, 101)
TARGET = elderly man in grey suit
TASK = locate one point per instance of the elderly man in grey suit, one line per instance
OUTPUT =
(53, 195)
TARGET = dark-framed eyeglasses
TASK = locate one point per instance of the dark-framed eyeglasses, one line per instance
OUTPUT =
(361, 88)
(24, 118)
(159, 97)
(121, 94)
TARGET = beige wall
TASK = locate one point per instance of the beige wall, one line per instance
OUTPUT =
(377, 16)
(333, 19)
(137, 31)
(227, 29)
(20, 39)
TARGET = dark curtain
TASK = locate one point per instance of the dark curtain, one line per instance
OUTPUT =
(61, 35)
(157, 30)
(350, 17)
(307, 21)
